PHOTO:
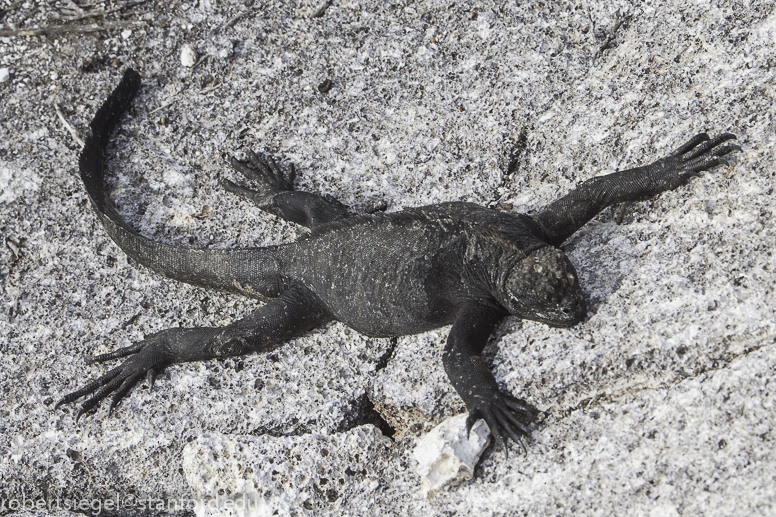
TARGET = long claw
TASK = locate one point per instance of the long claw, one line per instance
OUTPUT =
(97, 397)
(116, 354)
(470, 421)
(702, 163)
(275, 169)
(692, 143)
(148, 357)
(261, 169)
(234, 188)
(123, 389)
(521, 406)
(506, 425)
(522, 428)
(92, 386)
(709, 144)
(258, 162)
(490, 419)
(241, 167)
(291, 173)
(726, 149)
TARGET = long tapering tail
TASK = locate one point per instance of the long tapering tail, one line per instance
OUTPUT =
(250, 271)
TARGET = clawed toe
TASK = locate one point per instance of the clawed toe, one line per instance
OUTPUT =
(263, 170)
(506, 416)
(701, 144)
(148, 357)
(726, 149)
(705, 146)
(700, 153)
(116, 354)
(692, 143)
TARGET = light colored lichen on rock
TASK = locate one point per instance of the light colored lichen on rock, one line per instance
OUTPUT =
(446, 456)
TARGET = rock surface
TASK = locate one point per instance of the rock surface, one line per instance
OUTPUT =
(660, 403)
(447, 454)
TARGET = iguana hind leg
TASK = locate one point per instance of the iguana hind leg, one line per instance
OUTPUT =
(292, 314)
(274, 192)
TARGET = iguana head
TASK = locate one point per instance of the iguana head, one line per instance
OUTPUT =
(544, 287)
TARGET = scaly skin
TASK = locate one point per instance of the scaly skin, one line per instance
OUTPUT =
(382, 274)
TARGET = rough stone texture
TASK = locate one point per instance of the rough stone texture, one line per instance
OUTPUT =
(448, 453)
(660, 403)
(252, 474)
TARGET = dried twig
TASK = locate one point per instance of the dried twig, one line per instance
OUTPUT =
(236, 18)
(67, 125)
(200, 61)
(214, 87)
(71, 9)
(56, 30)
(173, 101)
(318, 11)
(8, 9)
(101, 12)
(165, 105)
(620, 22)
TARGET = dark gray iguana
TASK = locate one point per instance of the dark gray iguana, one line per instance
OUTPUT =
(387, 274)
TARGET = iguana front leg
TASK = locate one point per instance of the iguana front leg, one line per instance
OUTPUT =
(568, 214)
(275, 193)
(292, 314)
(475, 383)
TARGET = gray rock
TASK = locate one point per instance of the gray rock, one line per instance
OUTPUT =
(276, 476)
(660, 402)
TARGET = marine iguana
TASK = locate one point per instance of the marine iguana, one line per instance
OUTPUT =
(382, 274)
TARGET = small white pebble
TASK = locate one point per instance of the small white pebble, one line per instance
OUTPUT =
(447, 454)
(126, 34)
(188, 56)
(4, 75)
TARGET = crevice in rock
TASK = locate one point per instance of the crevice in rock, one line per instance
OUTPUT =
(517, 151)
(517, 148)
(641, 380)
(382, 362)
(363, 412)
(285, 429)
(609, 35)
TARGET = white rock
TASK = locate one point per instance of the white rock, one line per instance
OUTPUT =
(446, 456)
(4, 74)
(188, 55)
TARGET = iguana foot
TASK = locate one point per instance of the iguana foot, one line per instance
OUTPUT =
(148, 358)
(268, 177)
(275, 192)
(700, 153)
(504, 414)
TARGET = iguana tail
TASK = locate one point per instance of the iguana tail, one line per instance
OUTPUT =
(250, 271)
